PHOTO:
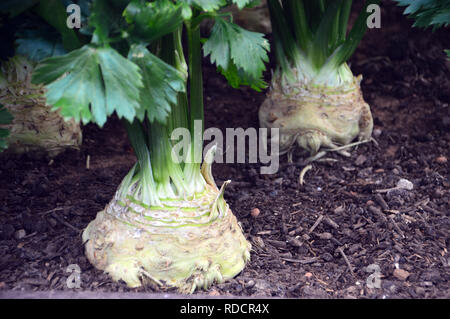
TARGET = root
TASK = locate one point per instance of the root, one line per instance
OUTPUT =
(187, 244)
(302, 174)
(317, 119)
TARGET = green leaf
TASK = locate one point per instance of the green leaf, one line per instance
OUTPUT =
(39, 44)
(54, 13)
(345, 51)
(106, 19)
(90, 84)
(162, 83)
(151, 20)
(442, 18)
(5, 118)
(242, 3)
(238, 53)
(206, 5)
(427, 13)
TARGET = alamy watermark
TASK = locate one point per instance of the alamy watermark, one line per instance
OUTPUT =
(374, 19)
(232, 148)
(74, 18)
(374, 280)
(74, 279)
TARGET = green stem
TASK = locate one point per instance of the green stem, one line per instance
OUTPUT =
(343, 19)
(146, 190)
(195, 90)
(196, 117)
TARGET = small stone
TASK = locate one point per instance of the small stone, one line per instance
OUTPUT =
(255, 212)
(377, 132)
(370, 203)
(294, 242)
(420, 291)
(441, 160)
(21, 233)
(401, 274)
(360, 160)
(214, 292)
(306, 237)
(339, 210)
(258, 241)
(325, 236)
(250, 284)
(405, 184)
(278, 181)
(52, 222)
(327, 257)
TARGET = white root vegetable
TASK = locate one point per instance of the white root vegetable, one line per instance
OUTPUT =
(188, 243)
(36, 128)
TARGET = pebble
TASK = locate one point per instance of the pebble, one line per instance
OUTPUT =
(441, 160)
(294, 242)
(255, 212)
(250, 284)
(325, 236)
(327, 257)
(405, 184)
(339, 210)
(306, 237)
(401, 274)
(20, 234)
(360, 160)
(377, 132)
(214, 292)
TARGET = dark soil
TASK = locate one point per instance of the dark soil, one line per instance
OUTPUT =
(315, 240)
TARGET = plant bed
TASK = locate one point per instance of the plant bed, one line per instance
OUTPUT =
(314, 240)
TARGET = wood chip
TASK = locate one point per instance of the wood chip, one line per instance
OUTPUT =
(318, 221)
(401, 274)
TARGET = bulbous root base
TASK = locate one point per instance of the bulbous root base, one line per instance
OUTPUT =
(35, 128)
(315, 118)
(185, 256)
(39, 131)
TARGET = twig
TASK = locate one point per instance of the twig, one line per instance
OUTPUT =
(302, 261)
(380, 200)
(401, 233)
(378, 213)
(302, 174)
(340, 148)
(331, 222)
(346, 261)
(431, 210)
(318, 221)
(52, 210)
(62, 221)
(333, 160)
